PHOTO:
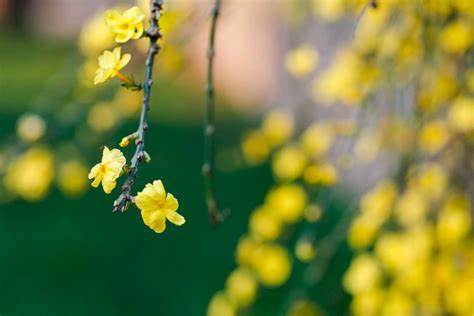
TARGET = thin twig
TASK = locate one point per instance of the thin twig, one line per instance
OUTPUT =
(208, 171)
(123, 201)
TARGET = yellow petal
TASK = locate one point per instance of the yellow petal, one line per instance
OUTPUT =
(138, 31)
(125, 60)
(154, 220)
(175, 218)
(117, 52)
(123, 37)
(112, 18)
(108, 184)
(159, 188)
(134, 15)
(94, 171)
(171, 203)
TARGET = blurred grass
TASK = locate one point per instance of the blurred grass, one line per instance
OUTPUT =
(76, 257)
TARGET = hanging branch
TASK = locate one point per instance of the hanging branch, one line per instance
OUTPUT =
(153, 33)
(208, 171)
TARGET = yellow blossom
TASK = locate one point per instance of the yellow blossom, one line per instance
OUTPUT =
(220, 305)
(263, 224)
(433, 137)
(411, 208)
(461, 114)
(102, 117)
(246, 250)
(312, 213)
(72, 178)
(157, 206)
(289, 163)
(430, 180)
(30, 127)
(397, 303)
(328, 10)
(128, 102)
(273, 265)
(287, 202)
(456, 37)
(278, 126)
(31, 174)
(305, 250)
(363, 230)
(303, 307)
(108, 170)
(378, 202)
(256, 147)
(367, 303)
(363, 275)
(125, 26)
(110, 64)
(95, 36)
(317, 139)
(241, 288)
(368, 145)
(323, 174)
(454, 220)
(302, 61)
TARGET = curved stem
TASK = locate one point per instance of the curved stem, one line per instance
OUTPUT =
(123, 201)
(209, 125)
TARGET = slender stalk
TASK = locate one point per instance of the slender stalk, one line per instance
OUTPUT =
(153, 33)
(209, 125)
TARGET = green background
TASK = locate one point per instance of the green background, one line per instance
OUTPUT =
(75, 257)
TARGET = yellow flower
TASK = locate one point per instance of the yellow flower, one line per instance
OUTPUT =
(72, 178)
(434, 136)
(278, 127)
(273, 265)
(303, 307)
(323, 174)
(363, 230)
(108, 170)
(241, 287)
(110, 63)
(367, 303)
(461, 114)
(95, 36)
(305, 250)
(157, 206)
(363, 275)
(289, 163)
(125, 26)
(256, 147)
(264, 224)
(220, 305)
(102, 117)
(246, 250)
(31, 174)
(454, 220)
(411, 208)
(456, 37)
(287, 202)
(301, 61)
(317, 139)
(30, 127)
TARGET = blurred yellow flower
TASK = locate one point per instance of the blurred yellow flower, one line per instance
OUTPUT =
(457, 36)
(30, 175)
(317, 139)
(305, 250)
(102, 117)
(328, 10)
(289, 163)
(30, 127)
(278, 126)
(396, 302)
(364, 274)
(367, 146)
(430, 180)
(313, 212)
(127, 102)
(378, 202)
(287, 202)
(72, 178)
(363, 230)
(263, 224)
(241, 288)
(108, 170)
(273, 265)
(157, 206)
(302, 61)
(127, 25)
(246, 250)
(461, 114)
(434, 136)
(322, 174)
(256, 147)
(367, 303)
(303, 307)
(454, 220)
(110, 64)
(95, 37)
(411, 208)
(220, 305)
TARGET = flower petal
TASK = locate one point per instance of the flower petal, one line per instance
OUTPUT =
(175, 218)
(154, 220)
